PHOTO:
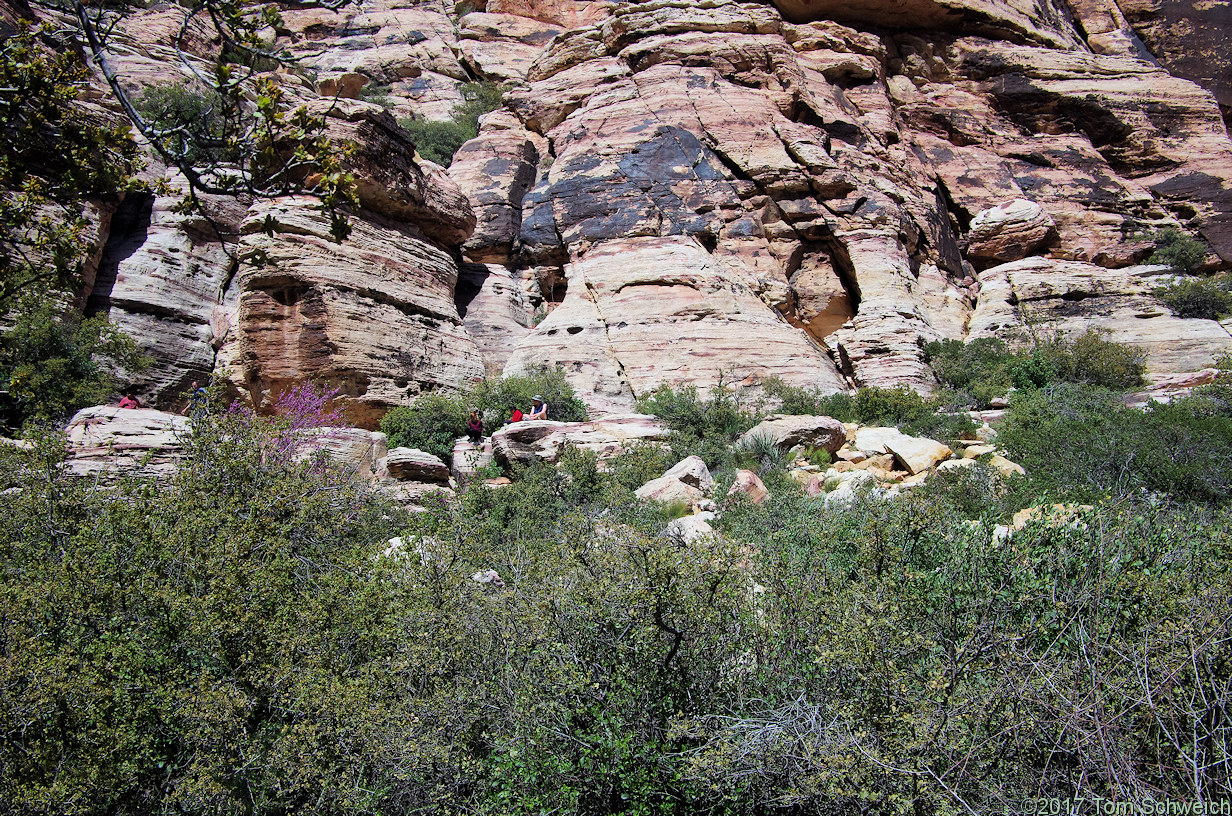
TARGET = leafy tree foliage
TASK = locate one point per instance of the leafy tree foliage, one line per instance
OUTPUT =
(986, 368)
(1206, 298)
(52, 158)
(1178, 250)
(54, 362)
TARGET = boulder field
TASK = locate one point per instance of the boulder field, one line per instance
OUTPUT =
(692, 192)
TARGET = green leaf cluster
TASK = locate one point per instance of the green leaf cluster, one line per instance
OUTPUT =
(434, 421)
(981, 370)
(439, 141)
(54, 362)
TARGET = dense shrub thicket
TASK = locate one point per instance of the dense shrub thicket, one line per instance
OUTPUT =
(436, 420)
(243, 639)
(979, 371)
(1083, 442)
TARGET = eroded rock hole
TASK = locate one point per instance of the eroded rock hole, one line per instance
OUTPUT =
(130, 227)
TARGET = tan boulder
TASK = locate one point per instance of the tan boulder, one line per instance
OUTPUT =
(543, 440)
(411, 465)
(469, 458)
(750, 485)
(789, 431)
(1005, 467)
(917, 454)
(692, 471)
(691, 528)
(109, 441)
(809, 482)
(359, 451)
(976, 451)
(1009, 232)
(669, 490)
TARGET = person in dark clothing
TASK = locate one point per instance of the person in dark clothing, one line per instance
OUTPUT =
(198, 401)
(474, 428)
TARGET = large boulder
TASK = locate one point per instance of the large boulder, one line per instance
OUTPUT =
(543, 440)
(1009, 232)
(669, 490)
(750, 485)
(692, 471)
(105, 440)
(411, 465)
(916, 454)
(790, 431)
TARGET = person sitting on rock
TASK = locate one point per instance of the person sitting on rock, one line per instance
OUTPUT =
(130, 401)
(474, 428)
(516, 416)
(539, 410)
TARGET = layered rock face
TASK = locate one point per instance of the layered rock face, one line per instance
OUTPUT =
(701, 192)
(862, 186)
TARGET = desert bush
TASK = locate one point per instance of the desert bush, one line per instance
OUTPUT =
(1206, 298)
(1092, 359)
(496, 398)
(53, 362)
(432, 423)
(985, 368)
(871, 405)
(231, 612)
(1080, 441)
(435, 421)
(759, 451)
(722, 414)
(439, 141)
(232, 640)
(1178, 250)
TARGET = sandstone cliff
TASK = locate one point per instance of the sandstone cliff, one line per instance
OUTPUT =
(697, 191)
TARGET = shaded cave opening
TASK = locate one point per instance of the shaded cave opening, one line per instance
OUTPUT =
(129, 230)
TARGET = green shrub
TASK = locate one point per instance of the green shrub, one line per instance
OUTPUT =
(1082, 442)
(196, 117)
(893, 656)
(721, 415)
(439, 141)
(435, 421)
(53, 363)
(497, 398)
(1178, 250)
(432, 424)
(1206, 298)
(1092, 359)
(760, 451)
(986, 368)
(229, 611)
